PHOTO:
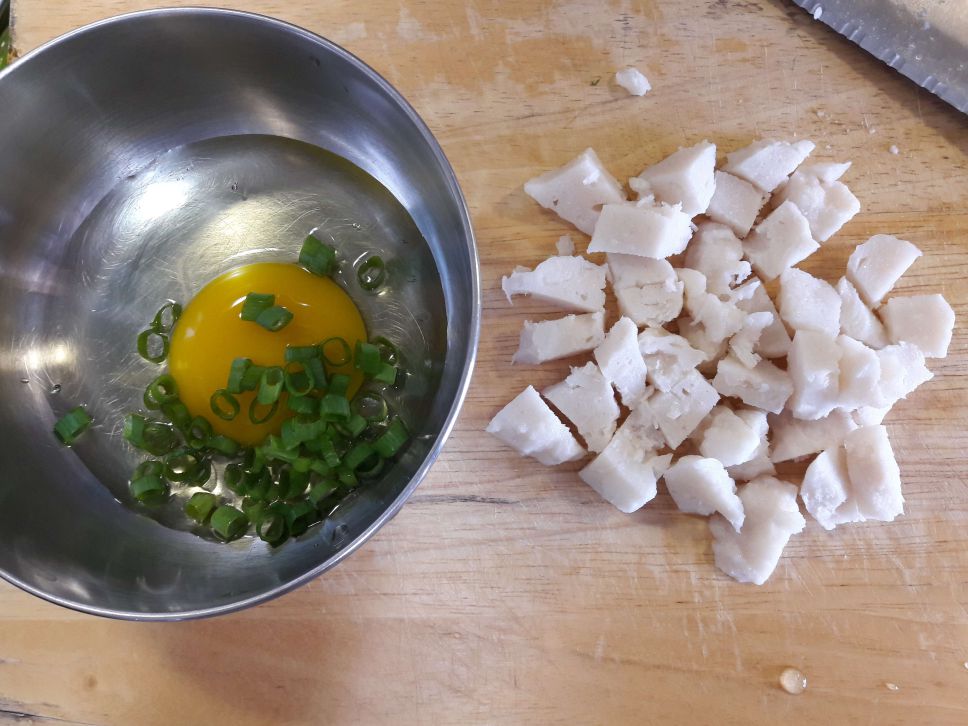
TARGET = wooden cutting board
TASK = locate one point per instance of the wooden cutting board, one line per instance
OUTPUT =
(506, 592)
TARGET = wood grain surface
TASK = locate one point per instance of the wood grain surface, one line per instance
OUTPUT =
(506, 592)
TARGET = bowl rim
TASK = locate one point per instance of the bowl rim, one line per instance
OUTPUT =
(470, 353)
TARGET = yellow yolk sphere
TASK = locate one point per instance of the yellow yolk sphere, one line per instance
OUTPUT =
(210, 335)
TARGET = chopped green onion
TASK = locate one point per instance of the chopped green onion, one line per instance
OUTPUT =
(233, 478)
(346, 477)
(298, 382)
(387, 374)
(292, 483)
(181, 465)
(257, 484)
(198, 433)
(339, 385)
(274, 319)
(166, 317)
(372, 273)
(177, 412)
(300, 516)
(228, 523)
(317, 257)
(258, 416)
(223, 445)
(151, 436)
(390, 442)
(160, 391)
(72, 424)
(321, 492)
(370, 406)
(274, 449)
(371, 467)
(317, 370)
(255, 304)
(251, 377)
(271, 527)
(200, 506)
(367, 358)
(237, 375)
(319, 466)
(303, 404)
(253, 459)
(270, 386)
(301, 353)
(339, 357)
(330, 455)
(202, 475)
(356, 425)
(148, 486)
(152, 346)
(333, 407)
(254, 509)
(224, 405)
(357, 455)
(388, 351)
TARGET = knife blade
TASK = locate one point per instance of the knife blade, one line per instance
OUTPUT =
(926, 40)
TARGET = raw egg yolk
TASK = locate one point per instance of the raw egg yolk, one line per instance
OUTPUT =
(210, 335)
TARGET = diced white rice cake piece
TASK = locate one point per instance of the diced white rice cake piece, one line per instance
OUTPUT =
(827, 205)
(718, 254)
(856, 319)
(530, 427)
(682, 408)
(668, 357)
(825, 171)
(626, 471)
(860, 374)
(685, 177)
(735, 203)
(814, 368)
(743, 344)
(633, 81)
(772, 517)
(587, 400)
(720, 319)
(577, 190)
(809, 303)
(553, 339)
(648, 290)
(924, 320)
(621, 361)
(869, 415)
(701, 486)
(902, 370)
(763, 386)
(644, 229)
(572, 283)
(780, 241)
(697, 337)
(641, 428)
(876, 265)
(766, 164)
(565, 246)
(727, 437)
(826, 490)
(875, 479)
(760, 463)
(794, 437)
(774, 341)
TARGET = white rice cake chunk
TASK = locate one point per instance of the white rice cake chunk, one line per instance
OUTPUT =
(766, 164)
(876, 265)
(809, 303)
(685, 178)
(870, 415)
(827, 205)
(701, 486)
(644, 229)
(735, 203)
(774, 341)
(927, 321)
(678, 411)
(826, 489)
(577, 190)
(794, 437)
(763, 386)
(587, 400)
(743, 344)
(647, 290)
(856, 319)
(726, 437)
(626, 472)
(760, 463)
(668, 357)
(718, 254)
(860, 375)
(572, 283)
(814, 368)
(621, 361)
(530, 427)
(772, 517)
(720, 319)
(633, 81)
(565, 246)
(875, 478)
(780, 241)
(699, 339)
(553, 339)
(902, 371)
(825, 171)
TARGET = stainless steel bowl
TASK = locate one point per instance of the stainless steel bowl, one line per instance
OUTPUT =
(139, 157)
